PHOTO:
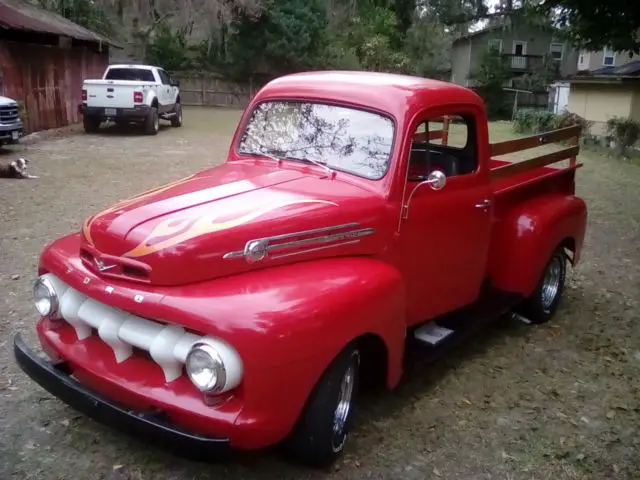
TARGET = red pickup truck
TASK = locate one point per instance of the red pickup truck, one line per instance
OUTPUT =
(357, 215)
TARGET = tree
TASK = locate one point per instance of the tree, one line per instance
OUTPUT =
(428, 45)
(595, 24)
(489, 77)
(288, 36)
(83, 12)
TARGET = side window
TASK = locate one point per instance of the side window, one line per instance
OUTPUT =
(447, 144)
(164, 78)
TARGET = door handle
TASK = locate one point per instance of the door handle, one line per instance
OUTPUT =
(485, 204)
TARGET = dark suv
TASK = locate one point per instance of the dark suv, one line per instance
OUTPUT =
(11, 128)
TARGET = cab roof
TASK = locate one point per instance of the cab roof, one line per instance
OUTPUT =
(395, 94)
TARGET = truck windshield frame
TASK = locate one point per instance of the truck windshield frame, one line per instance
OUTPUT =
(130, 74)
(343, 137)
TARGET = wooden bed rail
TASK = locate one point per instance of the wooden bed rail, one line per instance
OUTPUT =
(435, 134)
(572, 134)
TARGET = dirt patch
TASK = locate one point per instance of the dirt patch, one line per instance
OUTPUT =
(557, 401)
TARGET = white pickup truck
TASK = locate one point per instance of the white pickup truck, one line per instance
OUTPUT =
(126, 94)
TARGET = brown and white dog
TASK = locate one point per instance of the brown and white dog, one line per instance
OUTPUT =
(16, 169)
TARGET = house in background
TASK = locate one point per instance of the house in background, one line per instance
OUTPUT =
(596, 60)
(525, 47)
(43, 61)
(600, 94)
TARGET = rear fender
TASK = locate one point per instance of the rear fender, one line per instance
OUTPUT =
(525, 238)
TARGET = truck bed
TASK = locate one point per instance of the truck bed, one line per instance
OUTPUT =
(517, 180)
(512, 190)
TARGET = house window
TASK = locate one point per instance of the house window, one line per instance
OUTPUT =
(496, 43)
(556, 50)
(608, 57)
(583, 60)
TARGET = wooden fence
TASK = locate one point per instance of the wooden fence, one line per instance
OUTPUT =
(211, 90)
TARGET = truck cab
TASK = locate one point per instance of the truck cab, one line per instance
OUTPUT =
(357, 215)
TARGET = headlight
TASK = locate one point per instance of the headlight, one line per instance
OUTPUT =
(206, 368)
(45, 298)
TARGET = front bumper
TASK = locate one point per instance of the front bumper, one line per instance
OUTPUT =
(139, 111)
(11, 132)
(57, 380)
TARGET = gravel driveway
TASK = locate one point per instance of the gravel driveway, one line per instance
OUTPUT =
(559, 401)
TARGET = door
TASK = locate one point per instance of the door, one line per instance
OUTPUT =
(519, 59)
(165, 92)
(444, 233)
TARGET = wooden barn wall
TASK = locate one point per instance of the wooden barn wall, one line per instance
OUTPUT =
(48, 80)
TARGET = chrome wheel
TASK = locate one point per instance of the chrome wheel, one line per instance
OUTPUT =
(341, 413)
(156, 123)
(551, 283)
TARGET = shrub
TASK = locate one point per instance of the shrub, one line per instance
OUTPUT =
(531, 120)
(567, 119)
(625, 132)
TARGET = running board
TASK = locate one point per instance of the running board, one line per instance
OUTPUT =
(451, 329)
(432, 333)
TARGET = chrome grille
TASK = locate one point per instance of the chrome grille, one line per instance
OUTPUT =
(9, 114)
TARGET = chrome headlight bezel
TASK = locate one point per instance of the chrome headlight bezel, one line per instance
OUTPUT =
(218, 379)
(44, 286)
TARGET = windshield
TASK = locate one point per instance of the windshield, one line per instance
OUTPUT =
(135, 74)
(343, 138)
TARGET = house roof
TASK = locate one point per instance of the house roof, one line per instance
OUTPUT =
(502, 24)
(19, 15)
(482, 31)
(628, 71)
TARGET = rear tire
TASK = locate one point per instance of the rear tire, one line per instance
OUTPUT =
(176, 121)
(541, 306)
(152, 122)
(320, 434)
(90, 124)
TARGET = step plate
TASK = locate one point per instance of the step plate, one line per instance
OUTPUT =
(432, 334)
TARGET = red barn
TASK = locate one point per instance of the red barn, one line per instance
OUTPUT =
(43, 60)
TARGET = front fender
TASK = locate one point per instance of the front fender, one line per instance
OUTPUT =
(525, 238)
(288, 323)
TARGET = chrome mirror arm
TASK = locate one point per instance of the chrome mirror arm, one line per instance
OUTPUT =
(436, 180)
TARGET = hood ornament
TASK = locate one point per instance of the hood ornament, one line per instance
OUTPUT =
(102, 267)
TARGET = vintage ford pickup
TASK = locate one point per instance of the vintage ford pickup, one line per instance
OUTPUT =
(356, 214)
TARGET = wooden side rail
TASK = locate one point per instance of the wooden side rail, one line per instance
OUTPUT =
(435, 134)
(572, 134)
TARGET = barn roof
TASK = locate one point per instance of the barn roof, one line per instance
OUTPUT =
(20, 15)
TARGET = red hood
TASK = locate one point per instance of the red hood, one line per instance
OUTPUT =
(181, 232)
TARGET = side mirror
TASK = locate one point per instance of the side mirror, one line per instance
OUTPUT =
(436, 180)
(175, 82)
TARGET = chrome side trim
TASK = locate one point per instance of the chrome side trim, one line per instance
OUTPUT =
(309, 250)
(257, 249)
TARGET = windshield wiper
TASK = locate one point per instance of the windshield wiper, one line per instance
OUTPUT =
(315, 162)
(267, 155)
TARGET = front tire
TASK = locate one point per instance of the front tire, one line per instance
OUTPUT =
(319, 437)
(176, 121)
(543, 303)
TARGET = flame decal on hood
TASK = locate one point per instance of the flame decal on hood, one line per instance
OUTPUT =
(173, 231)
(86, 227)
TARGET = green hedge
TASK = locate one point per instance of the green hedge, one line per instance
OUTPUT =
(531, 120)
